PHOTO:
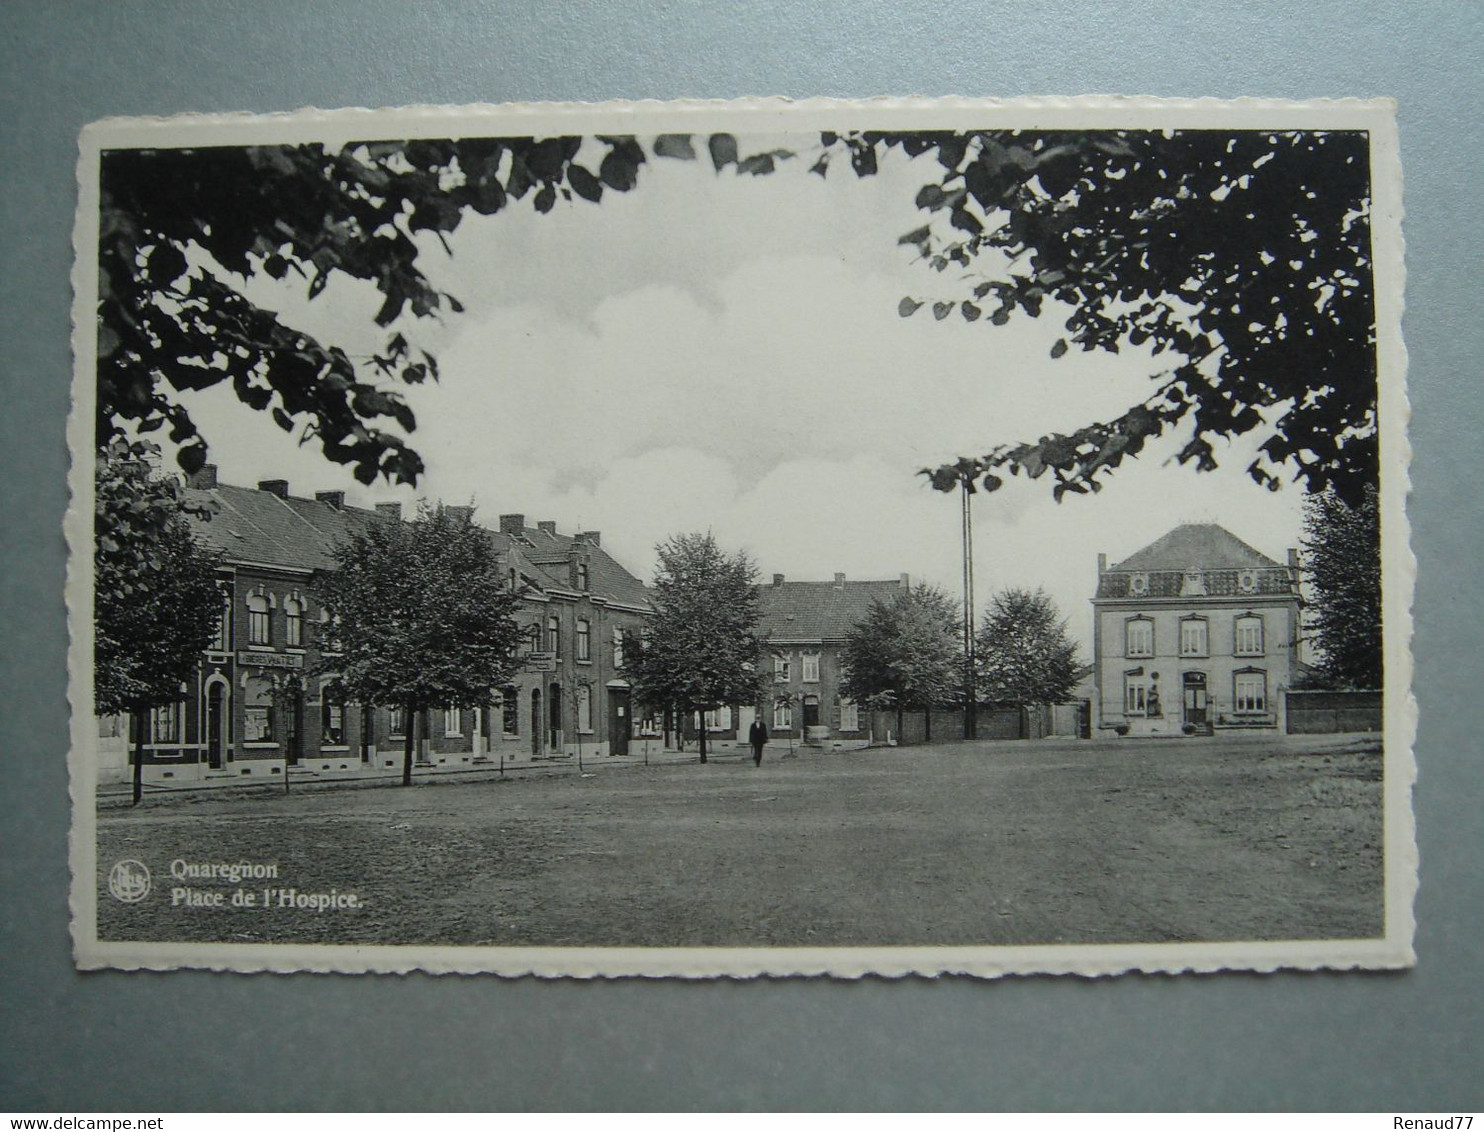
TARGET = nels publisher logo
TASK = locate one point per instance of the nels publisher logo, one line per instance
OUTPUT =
(128, 881)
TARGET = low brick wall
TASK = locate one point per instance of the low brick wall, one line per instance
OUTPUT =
(1324, 713)
(946, 725)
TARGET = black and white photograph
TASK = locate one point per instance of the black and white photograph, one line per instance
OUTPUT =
(893, 537)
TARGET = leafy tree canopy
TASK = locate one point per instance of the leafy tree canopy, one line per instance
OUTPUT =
(1243, 257)
(702, 649)
(1022, 650)
(905, 653)
(1342, 566)
(422, 615)
(156, 599)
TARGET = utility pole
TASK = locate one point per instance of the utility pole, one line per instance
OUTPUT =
(971, 728)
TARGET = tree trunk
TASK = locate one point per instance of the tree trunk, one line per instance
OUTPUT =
(927, 724)
(900, 713)
(141, 720)
(408, 742)
(701, 733)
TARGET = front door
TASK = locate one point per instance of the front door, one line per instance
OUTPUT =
(811, 711)
(295, 726)
(618, 721)
(536, 731)
(1195, 698)
(215, 716)
(554, 706)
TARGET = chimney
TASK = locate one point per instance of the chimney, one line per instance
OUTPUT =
(389, 510)
(594, 537)
(204, 478)
(335, 499)
(778, 579)
(464, 514)
(904, 581)
(512, 524)
(547, 526)
(279, 488)
(1102, 563)
(839, 581)
(1293, 558)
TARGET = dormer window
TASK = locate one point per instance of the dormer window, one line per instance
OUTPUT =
(580, 577)
(1138, 584)
(1193, 584)
(1247, 581)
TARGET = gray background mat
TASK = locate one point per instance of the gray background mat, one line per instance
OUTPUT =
(193, 1040)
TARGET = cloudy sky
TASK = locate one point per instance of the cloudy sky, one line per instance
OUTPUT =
(725, 353)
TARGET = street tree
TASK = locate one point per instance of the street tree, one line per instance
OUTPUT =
(421, 616)
(1342, 569)
(156, 598)
(1240, 258)
(702, 649)
(1023, 652)
(905, 653)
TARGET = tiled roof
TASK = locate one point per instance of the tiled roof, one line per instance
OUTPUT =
(252, 525)
(819, 611)
(1221, 558)
(1196, 546)
(548, 554)
(257, 526)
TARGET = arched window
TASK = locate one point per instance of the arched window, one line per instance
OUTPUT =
(1194, 638)
(259, 631)
(618, 648)
(584, 639)
(1250, 691)
(584, 709)
(223, 641)
(332, 716)
(293, 623)
(554, 636)
(1138, 637)
(1249, 635)
(783, 715)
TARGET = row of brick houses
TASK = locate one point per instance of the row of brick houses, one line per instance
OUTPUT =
(264, 696)
(1196, 632)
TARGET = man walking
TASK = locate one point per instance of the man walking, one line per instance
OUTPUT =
(757, 735)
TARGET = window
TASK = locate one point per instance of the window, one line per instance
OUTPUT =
(783, 715)
(811, 668)
(223, 640)
(293, 623)
(533, 639)
(850, 716)
(510, 711)
(554, 636)
(1249, 636)
(331, 720)
(258, 626)
(617, 648)
(164, 724)
(584, 640)
(584, 709)
(453, 722)
(1251, 691)
(257, 712)
(1247, 581)
(330, 631)
(782, 668)
(1135, 695)
(397, 722)
(719, 719)
(1138, 637)
(1193, 637)
(1138, 584)
(1193, 584)
(582, 576)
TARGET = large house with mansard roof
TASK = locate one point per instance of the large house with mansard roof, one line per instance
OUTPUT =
(264, 701)
(1195, 633)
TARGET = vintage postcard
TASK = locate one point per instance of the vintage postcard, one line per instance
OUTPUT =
(719, 539)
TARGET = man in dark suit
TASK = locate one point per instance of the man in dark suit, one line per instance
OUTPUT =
(757, 735)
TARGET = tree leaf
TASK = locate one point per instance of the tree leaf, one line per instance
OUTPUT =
(677, 146)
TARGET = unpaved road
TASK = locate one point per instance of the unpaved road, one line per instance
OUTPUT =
(974, 843)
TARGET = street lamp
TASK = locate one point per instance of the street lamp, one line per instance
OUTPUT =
(971, 728)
